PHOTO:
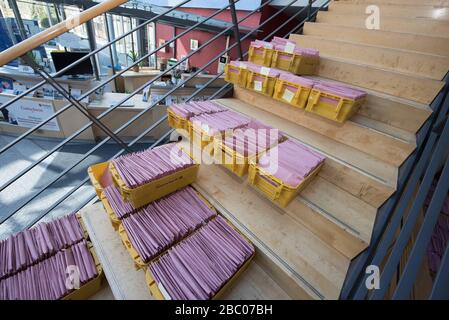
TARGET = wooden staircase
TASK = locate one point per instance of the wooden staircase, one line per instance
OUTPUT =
(306, 250)
(308, 247)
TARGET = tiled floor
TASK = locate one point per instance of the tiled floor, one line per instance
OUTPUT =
(20, 191)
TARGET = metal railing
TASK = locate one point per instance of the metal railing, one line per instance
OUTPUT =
(96, 121)
(431, 155)
(403, 220)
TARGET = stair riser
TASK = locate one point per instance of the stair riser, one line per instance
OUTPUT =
(419, 26)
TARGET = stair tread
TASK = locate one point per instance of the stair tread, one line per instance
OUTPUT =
(407, 25)
(394, 111)
(431, 44)
(368, 141)
(392, 10)
(398, 84)
(286, 118)
(415, 64)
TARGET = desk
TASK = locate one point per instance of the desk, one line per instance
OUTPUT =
(119, 116)
(66, 123)
(31, 79)
(201, 79)
(133, 80)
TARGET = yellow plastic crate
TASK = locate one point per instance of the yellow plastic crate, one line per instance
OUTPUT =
(95, 173)
(295, 63)
(156, 189)
(199, 137)
(93, 286)
(332, 106)
(115, 221)
(261, 56)
(235, 75)
(230, 159)
(261, 83)
(274, 188)
(175, 121)
(157, 294)
(297, 98)
(138, 262)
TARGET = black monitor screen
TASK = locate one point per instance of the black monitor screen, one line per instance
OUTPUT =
(63, 59)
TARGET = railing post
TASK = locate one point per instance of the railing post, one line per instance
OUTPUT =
(73, 101)
(236, 29)
(309, 10)
(18, 17)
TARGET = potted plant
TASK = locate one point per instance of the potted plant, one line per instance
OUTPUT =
(134, 57)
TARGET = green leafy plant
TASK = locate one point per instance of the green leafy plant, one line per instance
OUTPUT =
(134, 57)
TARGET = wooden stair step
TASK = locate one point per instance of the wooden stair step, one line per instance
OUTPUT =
(416, 26)
(351, 143)
(405, 86)
(334, 181)
(397, 117)
(392, 10)
(435, 44)
(413, 63)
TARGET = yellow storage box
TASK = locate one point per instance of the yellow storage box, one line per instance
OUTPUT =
(236, 73)
(93, 286)
(155, 189)
(295, 166)
(260, 52)
(262, 79)
(95, 173)
(176, 121)
(335, 102)
(293, 90)
(296, 63)
(115, 221)
(246, 145)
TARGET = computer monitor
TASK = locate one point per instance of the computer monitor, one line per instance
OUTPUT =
(62, 59)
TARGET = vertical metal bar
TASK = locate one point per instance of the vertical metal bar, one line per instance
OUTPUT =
(111, 52)
(58, 16)
(425, 233)
(440, 290)
(407, 229)
(18, 17)
(47, 9)
(111, 35)
(92, 46)
(309, 10)
(75, 102)
(236, 29)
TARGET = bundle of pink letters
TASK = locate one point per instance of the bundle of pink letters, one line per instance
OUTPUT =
(34, 263)
(198, 266)
(195, 108)
(291, 162)
(139, 168)
(163, 222)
